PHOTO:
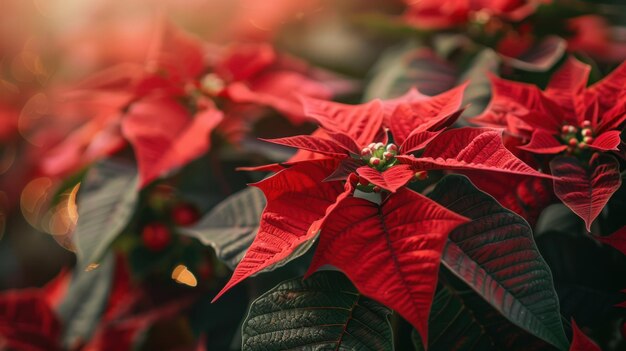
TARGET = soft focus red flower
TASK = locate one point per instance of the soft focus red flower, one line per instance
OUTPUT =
(439, 14)
(571, 120)
(168, 109)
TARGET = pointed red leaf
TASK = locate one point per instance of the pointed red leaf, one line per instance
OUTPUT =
(391, 252)
(417, 141)
(470, 149)
(617, 240)
(361, 122)
(567, 86)
(586, 190)
(392, 179)
(280, 91)
(164, 137)
(607, 141)
(543, 142)
(345, 141)
(610, 87)
(525, 101)
(311, 143)
(423, 113)
(296, 198)
(580, 341)
(613, 118)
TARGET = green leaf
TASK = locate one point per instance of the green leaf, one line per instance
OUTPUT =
(460, 320)
(230, 227)
(83, 304)
(106, 202)
(323, 312)
(496, 255)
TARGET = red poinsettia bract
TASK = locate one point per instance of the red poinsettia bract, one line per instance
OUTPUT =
(387, 238)
(168, 108)
(575, 126)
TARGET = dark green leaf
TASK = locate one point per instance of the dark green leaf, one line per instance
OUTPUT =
(323, 312)
(106, 202)
(495, 254)
(231, 226)
(82, 306)
(461, 321)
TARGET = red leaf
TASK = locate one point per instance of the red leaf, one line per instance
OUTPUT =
(177, 54)
(285, 222)
(311, 143)
(391, 252)
(243, 61)
(470, 149)
(280, 90)
(617, 240)
(345, 141)
(607, 141)
(27, 322)
(543, 142)
(392, 179)
(417, 141)
(586, 190)
(164, 137)
(567, 87)
(525, 101)
(582, 342)
(610, 87)
(416, 111)
(361, 122)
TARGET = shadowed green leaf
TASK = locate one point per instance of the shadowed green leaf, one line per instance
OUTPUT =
(323, 312)
(106, 202)
(230, 227)
(496, 255)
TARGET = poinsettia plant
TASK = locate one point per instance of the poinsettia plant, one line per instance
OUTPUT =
(279, 175)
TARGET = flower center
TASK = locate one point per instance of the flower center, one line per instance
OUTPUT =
(380, 156)
(212, 84)
(577, 139)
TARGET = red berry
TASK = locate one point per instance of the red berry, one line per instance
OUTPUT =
(586, 124)
(565, 129)
(156, 236)
(185, 214)
(586, 132)
(573, 142)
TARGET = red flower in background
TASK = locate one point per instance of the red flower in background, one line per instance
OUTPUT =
(168, 109)
(580, 124)
(439, 14)
(390, 247)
